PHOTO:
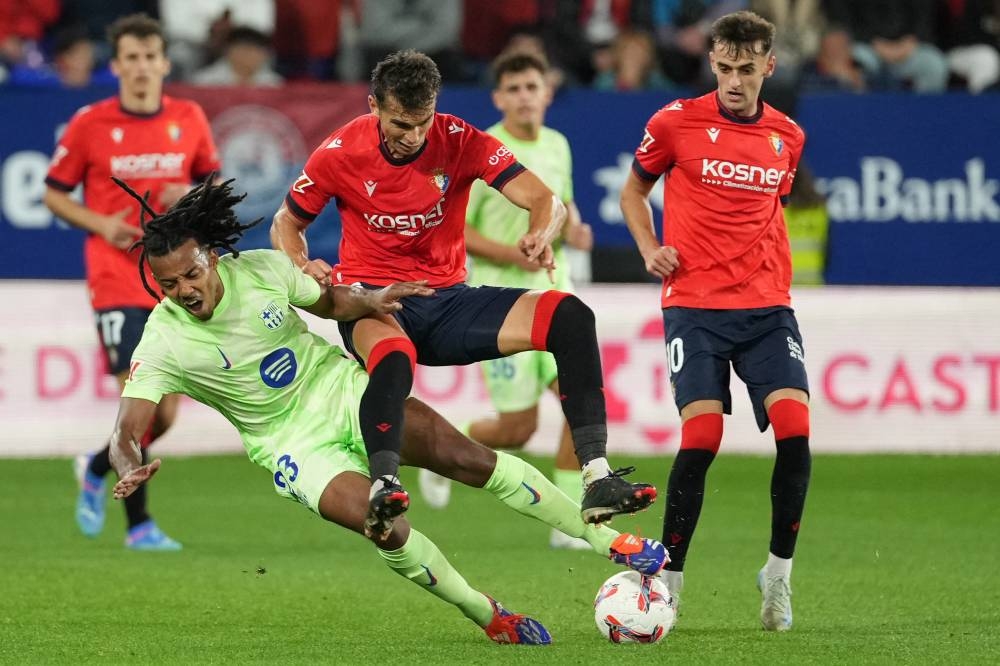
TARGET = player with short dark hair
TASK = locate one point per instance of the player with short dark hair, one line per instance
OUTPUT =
(729, 160)
(228, 336)
(160, 145)
(515, 383)
(401, 178)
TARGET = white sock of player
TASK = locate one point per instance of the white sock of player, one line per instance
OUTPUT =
(778, 566)
(379, 484)
(597, 468)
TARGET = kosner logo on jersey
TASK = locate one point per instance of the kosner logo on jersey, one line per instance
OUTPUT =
(883, 193)
(148, 165)
(744, 176)
(409, 224)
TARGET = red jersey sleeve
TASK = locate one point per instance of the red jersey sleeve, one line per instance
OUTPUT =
(70, 159)
(794, 155)
(655, 154)
(308, 195)
(206, 159)
(489, 158)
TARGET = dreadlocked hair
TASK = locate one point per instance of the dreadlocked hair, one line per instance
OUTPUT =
(204, 214)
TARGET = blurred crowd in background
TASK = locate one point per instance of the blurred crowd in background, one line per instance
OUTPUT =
(822, 45)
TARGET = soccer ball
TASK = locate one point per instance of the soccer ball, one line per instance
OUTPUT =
(632, 608)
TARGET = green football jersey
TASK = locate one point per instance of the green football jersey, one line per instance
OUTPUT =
(492, 215)
(254, 361)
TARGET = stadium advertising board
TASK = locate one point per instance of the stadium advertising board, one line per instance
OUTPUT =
(891, 370)
(913, 183)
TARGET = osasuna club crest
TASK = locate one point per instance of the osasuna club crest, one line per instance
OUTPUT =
(777, 143)
(272, 316)
(440, 180)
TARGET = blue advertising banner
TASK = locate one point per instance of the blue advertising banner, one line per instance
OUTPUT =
(913, 182)
(912, 186)
(32, 242)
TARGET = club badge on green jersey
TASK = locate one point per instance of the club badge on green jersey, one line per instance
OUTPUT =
(272, 315)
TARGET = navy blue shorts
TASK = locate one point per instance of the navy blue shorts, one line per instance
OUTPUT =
(458, 325)
(119, 330)
(763, 345)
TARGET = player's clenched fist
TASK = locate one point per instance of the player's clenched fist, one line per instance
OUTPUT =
(663, 261)
(318, 270)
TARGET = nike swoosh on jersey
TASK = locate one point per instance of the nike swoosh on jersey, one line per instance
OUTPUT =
(225, 360)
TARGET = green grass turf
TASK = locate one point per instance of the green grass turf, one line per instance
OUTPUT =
(896, 564)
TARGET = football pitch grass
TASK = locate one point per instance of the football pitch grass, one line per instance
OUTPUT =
(897, 563)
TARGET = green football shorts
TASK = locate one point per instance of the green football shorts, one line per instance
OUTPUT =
(323, 437)
(517, 382)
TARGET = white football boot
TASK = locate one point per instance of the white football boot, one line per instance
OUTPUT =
(776, 601)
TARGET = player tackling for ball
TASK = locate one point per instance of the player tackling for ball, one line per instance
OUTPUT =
(228, 336)
(726, 268)
(401, 177)
(516, 383)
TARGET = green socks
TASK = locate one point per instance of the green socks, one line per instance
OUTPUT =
(421, 561)
(524, 489)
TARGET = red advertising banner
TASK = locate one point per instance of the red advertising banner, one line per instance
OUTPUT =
(265, 135)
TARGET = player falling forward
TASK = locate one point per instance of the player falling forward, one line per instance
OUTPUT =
(228, 336)
(161, 145)
(401, 177)
(726, 268)
(516, 383)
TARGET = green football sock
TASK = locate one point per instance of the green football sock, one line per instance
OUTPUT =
(524, 489)
(570, 482)
(421, 561)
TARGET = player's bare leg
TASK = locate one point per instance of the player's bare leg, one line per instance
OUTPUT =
(433, 443)
(562, 324)
(507, 430)
(415, 557)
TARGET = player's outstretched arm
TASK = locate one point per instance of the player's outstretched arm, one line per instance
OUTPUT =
(288, 234)
(134, 417)
(479, 245)
(347, 303)
(660, 260)
(546, 215)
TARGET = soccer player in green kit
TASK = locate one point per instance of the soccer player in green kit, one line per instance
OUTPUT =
(228, 336)
(494, 226)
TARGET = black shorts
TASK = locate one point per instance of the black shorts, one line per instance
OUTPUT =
(763, 345)
(119, 330)
(458, 325)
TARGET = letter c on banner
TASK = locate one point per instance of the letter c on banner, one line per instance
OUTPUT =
(830, 378)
